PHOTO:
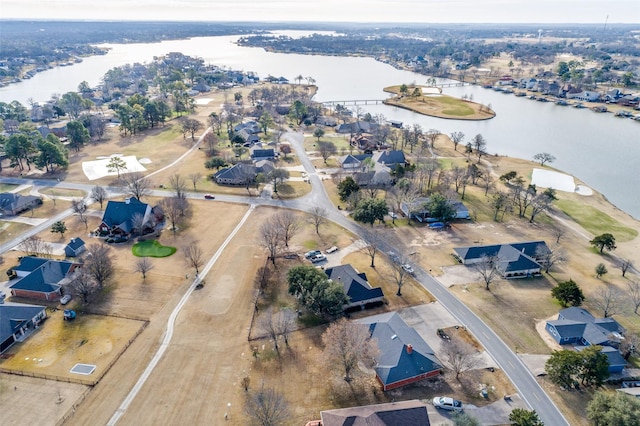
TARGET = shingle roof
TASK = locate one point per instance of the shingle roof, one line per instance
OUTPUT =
(393, 336)
(569, 329)
(45, 277)
(594, 332)
(75, 243)
(11, 201)
(30, 263)
(12, 315)
(119, 213)
(402, 413)
(237, 172)
(390, 157)
(355, 285)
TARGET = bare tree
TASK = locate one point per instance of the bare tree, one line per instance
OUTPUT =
(98, 263)
(195, 178)
(270, 238)
(83, 285)
(267, 407)
(99, 194)
(347, 344)
(558, 233)
(457, 138)
(268, 324)
(624, 265)
(193, 256)
(79, 207)
(286, 323)
(136, 185)
(633, 293)
(487, 269)
(399, 272)
(35, 246)
(179, 185)
(460, 357)
(326, 150)
(288, 224)
(318, 217)
(175, 209)
(144, 265)
(373, 238)
(630, 345)
(608, 299)
(551, 256)
(210, 141)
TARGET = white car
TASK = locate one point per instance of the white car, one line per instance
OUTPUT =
(312, 253)
(408, 268)
(318, 258)
(65, 299)
(446, 403)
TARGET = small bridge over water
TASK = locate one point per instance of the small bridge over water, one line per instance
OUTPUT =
(379, 101)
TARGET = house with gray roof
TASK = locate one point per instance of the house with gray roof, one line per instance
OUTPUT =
(40, 278)
(12, 204)
(390, 158)
(577, 326)
(514, 260)
(413, 412)
(404, 356)
(258, 154)
(243, 173)
(17, 322)
(418, 210)
(357, 288)
(358, 127)
(118, 217)
(352, 161)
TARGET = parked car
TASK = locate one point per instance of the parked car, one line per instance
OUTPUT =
(446, 403)
(65, 299)
(393, 256)
(310, 254)
(318, 258)
(408, 268)
(209, 197)
(331, 250)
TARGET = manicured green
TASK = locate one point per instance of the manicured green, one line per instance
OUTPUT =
(595, 221)
(453, 106)
(152, 248)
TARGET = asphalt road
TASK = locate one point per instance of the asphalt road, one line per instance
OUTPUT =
(528, 388)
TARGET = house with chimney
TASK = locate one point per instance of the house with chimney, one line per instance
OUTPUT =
(404, 357)
(122, 217)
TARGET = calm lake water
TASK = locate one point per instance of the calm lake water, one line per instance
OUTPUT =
(599, 149)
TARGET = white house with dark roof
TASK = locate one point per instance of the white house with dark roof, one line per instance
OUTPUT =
(17, 322)
(356, 287)
(514, 260)
(404, 357)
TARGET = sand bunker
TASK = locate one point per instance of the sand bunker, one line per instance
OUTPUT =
(98, 169)
(204, 101)
(144, 161)
(555, 180)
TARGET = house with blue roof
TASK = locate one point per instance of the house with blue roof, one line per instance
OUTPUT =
(75, 247)
(356, 287)
(577, 326)
(390, 158)
(404, 356)
(514, 260)
(17, 322)
(41, 279)
(118, 217)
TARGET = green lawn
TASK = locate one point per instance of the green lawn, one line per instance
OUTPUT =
(595, 221)
(453, 106)
(152, 248)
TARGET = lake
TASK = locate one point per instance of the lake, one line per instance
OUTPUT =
(599, 149)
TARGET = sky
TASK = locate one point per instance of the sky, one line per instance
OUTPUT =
(421, 11)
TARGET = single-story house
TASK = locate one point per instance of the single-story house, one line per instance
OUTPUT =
(17, 322)
(585, 95)
(258, 154)
(353, 161)
(404, 356)
(417, 209)
(616, 361)
(118, 217)
(358, 127)
(248, 137)
(41, 278)
(249, 126)
(413, 412)
(390, 158)
(577, 326)
(356, 286)
(515, 260)
(379, 178)
(75, 247)
(12, 204)
(243, 173)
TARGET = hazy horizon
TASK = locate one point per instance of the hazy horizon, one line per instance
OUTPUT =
(327, 11)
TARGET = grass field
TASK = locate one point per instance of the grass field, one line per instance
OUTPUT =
(596, 221)
(152, 248)
(62, 192)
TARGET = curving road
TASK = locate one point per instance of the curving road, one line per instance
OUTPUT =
(528, 388)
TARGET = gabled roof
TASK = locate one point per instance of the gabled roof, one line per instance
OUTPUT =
(393, 337)
(45, 278)
(11, 201)
(597, 331)
(390, 158)
(75, 243)
(355, 284)
(569, 329)
(263, 153)
(119, 213)
(237, 172)
(13, 315)
(30, 263)
(400, 413)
